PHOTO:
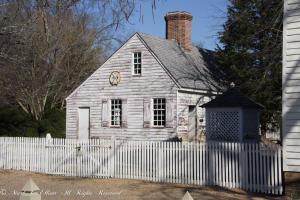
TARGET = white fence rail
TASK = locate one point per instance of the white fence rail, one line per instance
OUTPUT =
(253, 167)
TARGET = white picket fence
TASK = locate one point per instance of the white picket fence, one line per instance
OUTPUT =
(252, 167)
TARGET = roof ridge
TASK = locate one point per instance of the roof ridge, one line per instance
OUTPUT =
(156, 37)
(172, 41)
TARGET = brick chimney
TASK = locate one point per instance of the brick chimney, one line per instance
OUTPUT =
(179, 28)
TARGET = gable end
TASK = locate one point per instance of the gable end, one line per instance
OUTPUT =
(144, 43)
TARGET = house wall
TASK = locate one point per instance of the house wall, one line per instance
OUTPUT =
(137, 91)
(186, 99)
(291, 86)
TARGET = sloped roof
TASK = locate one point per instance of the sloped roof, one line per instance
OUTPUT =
(195, 69)
(232, 98)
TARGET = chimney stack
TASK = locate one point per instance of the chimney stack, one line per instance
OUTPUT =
(179, 28)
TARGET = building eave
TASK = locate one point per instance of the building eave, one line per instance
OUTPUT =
(199, 91)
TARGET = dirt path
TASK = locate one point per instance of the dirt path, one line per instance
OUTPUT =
(57, 187)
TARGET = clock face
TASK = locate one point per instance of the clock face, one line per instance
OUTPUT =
(115, 78)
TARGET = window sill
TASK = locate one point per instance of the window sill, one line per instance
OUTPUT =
(115, 126)
(136, 75)
(158, 127)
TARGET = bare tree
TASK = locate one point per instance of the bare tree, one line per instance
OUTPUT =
(48, 47)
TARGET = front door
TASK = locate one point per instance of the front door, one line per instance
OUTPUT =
(192, 123)
(84, 123)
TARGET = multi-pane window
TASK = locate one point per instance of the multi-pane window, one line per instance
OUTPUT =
(159, 112)
(116, 112)
(137, 63)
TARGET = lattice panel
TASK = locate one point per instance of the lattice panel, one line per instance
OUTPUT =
(223, 125)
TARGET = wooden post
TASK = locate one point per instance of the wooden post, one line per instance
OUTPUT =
(160, 160)
(112, 158)
(48, 143)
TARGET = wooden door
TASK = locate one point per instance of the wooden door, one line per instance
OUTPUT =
(84, 123)
(192, 127)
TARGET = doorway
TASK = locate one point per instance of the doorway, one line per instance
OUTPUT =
(192, 124)
(83, 123)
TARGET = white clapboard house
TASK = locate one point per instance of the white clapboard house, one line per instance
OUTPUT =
(151, 88)
(291, 86)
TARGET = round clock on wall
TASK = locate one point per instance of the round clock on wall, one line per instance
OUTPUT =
(115, 78)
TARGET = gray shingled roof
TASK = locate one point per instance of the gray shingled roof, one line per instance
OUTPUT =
(232, 98)
(195, 69)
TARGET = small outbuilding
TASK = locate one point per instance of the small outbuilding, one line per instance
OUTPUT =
(232, 117)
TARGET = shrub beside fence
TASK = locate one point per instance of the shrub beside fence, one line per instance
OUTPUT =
(252, 167)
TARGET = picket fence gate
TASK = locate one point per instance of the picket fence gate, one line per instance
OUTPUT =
(252, 167)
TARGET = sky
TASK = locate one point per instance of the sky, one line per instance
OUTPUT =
(208, 17)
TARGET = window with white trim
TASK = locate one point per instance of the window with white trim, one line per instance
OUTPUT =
(159, 112)
(116, 112)
(137, 63)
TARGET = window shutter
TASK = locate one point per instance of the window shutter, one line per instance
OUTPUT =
(105, 113)
(169, 113)
(147, 113)
(124, 113)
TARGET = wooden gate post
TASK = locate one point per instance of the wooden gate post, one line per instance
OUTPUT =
(48, 143)
(160, 158)
(112, 158)
(209, 164)
(78, 161)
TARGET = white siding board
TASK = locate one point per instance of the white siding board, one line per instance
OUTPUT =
(294, 109)
(291, 32)
(293, 45)
(293, 123)
(293, 19)
(292, 102)
(293, 135)
(292, 149)
(291, 64)
(293, 57)
(293, 161)
(295, 37)
(295, 12)
(289, 26)
(288, 2)
(293, 52)
(293, 155)
(292, 129)
(293, 6)
(291, 90)
(291, 71)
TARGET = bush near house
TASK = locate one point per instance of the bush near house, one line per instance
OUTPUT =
(15, 122)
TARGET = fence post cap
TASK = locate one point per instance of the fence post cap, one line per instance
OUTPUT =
(187, 196)
(48, 136)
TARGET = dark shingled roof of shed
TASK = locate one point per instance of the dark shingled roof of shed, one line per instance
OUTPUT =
(195, 69)
(232, 98)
